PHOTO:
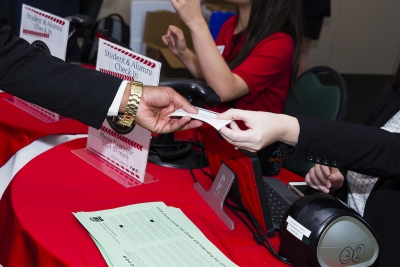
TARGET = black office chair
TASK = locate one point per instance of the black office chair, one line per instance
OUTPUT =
(315, 99)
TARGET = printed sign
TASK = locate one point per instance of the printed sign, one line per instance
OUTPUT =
(44, 30)
(47, 32)
(127, 152)
(126, 64)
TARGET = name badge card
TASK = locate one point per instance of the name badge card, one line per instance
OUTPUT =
(50, 33)
(128, 152)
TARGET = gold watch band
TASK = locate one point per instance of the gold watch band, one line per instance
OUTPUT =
(133, 104)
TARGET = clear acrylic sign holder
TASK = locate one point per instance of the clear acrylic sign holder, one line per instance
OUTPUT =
(42, 114)
(113, 172)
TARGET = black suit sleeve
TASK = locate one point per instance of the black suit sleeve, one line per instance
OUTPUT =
(360, 148)
(67, 89)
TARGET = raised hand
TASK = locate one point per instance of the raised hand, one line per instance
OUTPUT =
(175, 40)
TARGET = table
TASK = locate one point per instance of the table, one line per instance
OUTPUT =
(20, 130)
(37, 227)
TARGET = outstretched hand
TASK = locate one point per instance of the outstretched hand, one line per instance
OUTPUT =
(264, 128)
(157, 103)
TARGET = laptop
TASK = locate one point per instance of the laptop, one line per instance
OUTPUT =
(266, 198)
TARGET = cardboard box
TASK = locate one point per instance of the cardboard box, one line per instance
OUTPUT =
(139, 9)
(156, 25)
(219, 5)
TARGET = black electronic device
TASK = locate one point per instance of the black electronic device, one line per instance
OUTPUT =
(316, 230)
(320, 230)
(164, 149)
(279, 198)
(302, 189)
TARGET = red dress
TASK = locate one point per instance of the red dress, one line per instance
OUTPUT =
(266, 70)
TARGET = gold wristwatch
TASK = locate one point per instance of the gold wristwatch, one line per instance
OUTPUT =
(128, 117)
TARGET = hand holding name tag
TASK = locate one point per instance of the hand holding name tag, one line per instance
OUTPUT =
(204, 115)
(157, 104)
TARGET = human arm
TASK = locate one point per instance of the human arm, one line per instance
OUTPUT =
(76, 92)
(363, 149)
(216, 73)
(67, 89)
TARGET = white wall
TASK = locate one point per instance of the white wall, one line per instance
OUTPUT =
(361, 36)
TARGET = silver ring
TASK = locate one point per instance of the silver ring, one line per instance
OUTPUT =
(236, 147)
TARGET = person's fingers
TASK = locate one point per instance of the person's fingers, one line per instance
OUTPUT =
(236, 136)
(310, 179)
(192, 124)
(233, 114)
(180, 102)
(165, 40)
(172, 28)
(313, 179)
(336, 178)
(176, 31)
(170, 41)
(184, 123)
(326, 170)
(174, 124)
(242, 144)
(320, 175)
(234, 126)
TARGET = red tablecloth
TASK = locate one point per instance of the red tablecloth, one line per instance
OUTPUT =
(18, 128)
(37, 227)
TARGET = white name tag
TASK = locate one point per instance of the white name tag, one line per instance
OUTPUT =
(221, 48)
(204, 115)
(127, 152)
(296, 228)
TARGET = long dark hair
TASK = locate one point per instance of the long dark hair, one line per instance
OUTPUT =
(268, 17)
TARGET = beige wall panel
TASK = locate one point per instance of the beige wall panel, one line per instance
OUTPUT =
(362, 36)
(122, 7)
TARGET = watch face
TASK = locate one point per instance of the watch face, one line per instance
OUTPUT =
(119, 128)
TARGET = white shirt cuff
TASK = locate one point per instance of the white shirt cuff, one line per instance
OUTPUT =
(113, 110)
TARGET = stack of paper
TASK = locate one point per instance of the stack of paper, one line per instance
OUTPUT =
(150, 234)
